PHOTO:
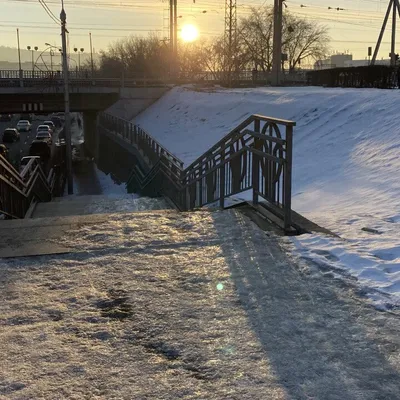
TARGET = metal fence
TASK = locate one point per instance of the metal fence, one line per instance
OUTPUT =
(373, 76)
(15, 78)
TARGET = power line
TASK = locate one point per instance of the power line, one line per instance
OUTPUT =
(49, 12)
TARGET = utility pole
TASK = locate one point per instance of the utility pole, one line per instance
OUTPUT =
(19, 58)
(173, 35)
(91, 53)
(393, 6)
(230, 39)
(67, 124)
(277, 50)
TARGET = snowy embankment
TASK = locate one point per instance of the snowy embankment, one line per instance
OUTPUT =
(346, 166)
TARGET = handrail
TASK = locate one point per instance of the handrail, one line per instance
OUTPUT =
(256, 155)
(135, 135)
(17, 192)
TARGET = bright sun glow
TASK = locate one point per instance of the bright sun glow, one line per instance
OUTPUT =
(189, 33)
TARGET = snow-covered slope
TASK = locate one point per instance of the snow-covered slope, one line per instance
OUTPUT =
(346, 164)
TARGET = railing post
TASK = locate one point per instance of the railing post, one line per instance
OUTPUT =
(222, 179)
(255, 165)
(288, 179)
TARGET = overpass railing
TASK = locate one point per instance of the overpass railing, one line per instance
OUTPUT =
(15, 78)
(256, 156)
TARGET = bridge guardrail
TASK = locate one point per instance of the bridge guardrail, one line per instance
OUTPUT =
(15, 78)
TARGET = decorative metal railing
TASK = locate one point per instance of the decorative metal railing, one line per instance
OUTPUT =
(256, 156)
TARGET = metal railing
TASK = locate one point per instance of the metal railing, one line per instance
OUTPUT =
(149, 147)
(17, 192)
(15, 78)
(255, 156)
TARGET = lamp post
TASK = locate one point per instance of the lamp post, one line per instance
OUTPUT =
(67, 125)
(51, 60)
(33, 49)
(91, 53)
(79, 51)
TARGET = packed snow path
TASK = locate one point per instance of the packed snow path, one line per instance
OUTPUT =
(346, 163)
(203, 305)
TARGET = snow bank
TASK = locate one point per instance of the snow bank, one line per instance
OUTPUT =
(346, 164)
(109, 187)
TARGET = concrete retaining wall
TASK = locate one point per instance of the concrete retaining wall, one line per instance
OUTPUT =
(135, 100)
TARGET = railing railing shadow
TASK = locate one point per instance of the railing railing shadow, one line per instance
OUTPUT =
(255, 156)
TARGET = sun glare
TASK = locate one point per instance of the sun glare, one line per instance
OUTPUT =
(189, 33)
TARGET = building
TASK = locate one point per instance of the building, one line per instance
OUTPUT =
(334, 61)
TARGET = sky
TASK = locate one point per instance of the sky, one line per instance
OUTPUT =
(352, 29)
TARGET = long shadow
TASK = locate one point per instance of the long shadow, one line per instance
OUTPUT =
(314, 334)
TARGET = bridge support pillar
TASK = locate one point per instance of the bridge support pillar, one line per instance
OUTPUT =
(90, 133)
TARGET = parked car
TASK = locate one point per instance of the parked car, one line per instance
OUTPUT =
(25, 160)
(44, 136)
(24, 125)
(40, 148)
(5, 117)
(11, 135)
(50, 124)
(44, 128)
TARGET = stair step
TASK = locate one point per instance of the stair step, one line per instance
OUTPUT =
(85, 205)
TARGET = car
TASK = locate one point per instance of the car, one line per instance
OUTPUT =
(24, 125)
(50, 124)
(25, 160)
(44, 128)
(40, 148)
(58, 122)
(5, 117)
(44, 136)
(11, 135)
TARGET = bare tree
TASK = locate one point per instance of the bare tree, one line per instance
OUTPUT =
(301, 39)
(136, 57)
(255, 39)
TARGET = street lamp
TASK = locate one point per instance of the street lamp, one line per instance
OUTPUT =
(33, 49)
(81, 50)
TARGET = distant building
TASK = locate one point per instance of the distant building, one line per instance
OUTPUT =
(338, 60)
(334, 61)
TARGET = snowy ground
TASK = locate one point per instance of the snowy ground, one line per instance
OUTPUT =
(346, 165)
(168, 305)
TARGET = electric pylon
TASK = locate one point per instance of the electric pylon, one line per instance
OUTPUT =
(393, 6)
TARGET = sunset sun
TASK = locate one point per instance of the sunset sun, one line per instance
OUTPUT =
(189, 33)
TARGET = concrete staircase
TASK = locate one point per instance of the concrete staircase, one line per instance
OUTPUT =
(97, 204)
